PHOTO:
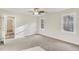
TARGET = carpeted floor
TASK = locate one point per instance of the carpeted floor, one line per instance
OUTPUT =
(49, 44)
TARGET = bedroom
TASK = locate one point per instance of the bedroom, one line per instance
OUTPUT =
(40, 29)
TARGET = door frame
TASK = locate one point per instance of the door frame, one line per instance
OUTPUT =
(5, 25)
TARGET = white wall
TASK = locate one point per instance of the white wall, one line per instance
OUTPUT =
(53, 26)
(25, 24)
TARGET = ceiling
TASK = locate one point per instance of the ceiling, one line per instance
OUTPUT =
(27, 10)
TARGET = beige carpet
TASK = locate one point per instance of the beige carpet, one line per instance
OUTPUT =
(46, 43)
(37, 48)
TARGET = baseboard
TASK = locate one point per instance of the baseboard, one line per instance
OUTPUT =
(58, 39)
(24, 36)
(29, 35)
(49, 36)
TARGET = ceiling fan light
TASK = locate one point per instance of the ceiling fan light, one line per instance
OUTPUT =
(36, 13)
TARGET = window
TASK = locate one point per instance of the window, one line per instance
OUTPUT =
(68, 23)
(42, 24)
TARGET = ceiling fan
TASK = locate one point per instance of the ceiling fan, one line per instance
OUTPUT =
(38, 11)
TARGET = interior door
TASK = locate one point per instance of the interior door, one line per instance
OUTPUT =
(10, 28)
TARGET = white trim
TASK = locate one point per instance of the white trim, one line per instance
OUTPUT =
(5, 25)
(67, 32)
(60, 36)
(2, 28)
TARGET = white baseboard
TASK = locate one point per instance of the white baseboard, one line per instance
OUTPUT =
(21, 36)
(62, 37)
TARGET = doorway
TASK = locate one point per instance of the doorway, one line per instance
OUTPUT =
(10, 26)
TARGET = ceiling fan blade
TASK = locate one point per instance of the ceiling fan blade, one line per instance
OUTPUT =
(37, 11)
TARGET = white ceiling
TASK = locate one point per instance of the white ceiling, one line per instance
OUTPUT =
(27, 10)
